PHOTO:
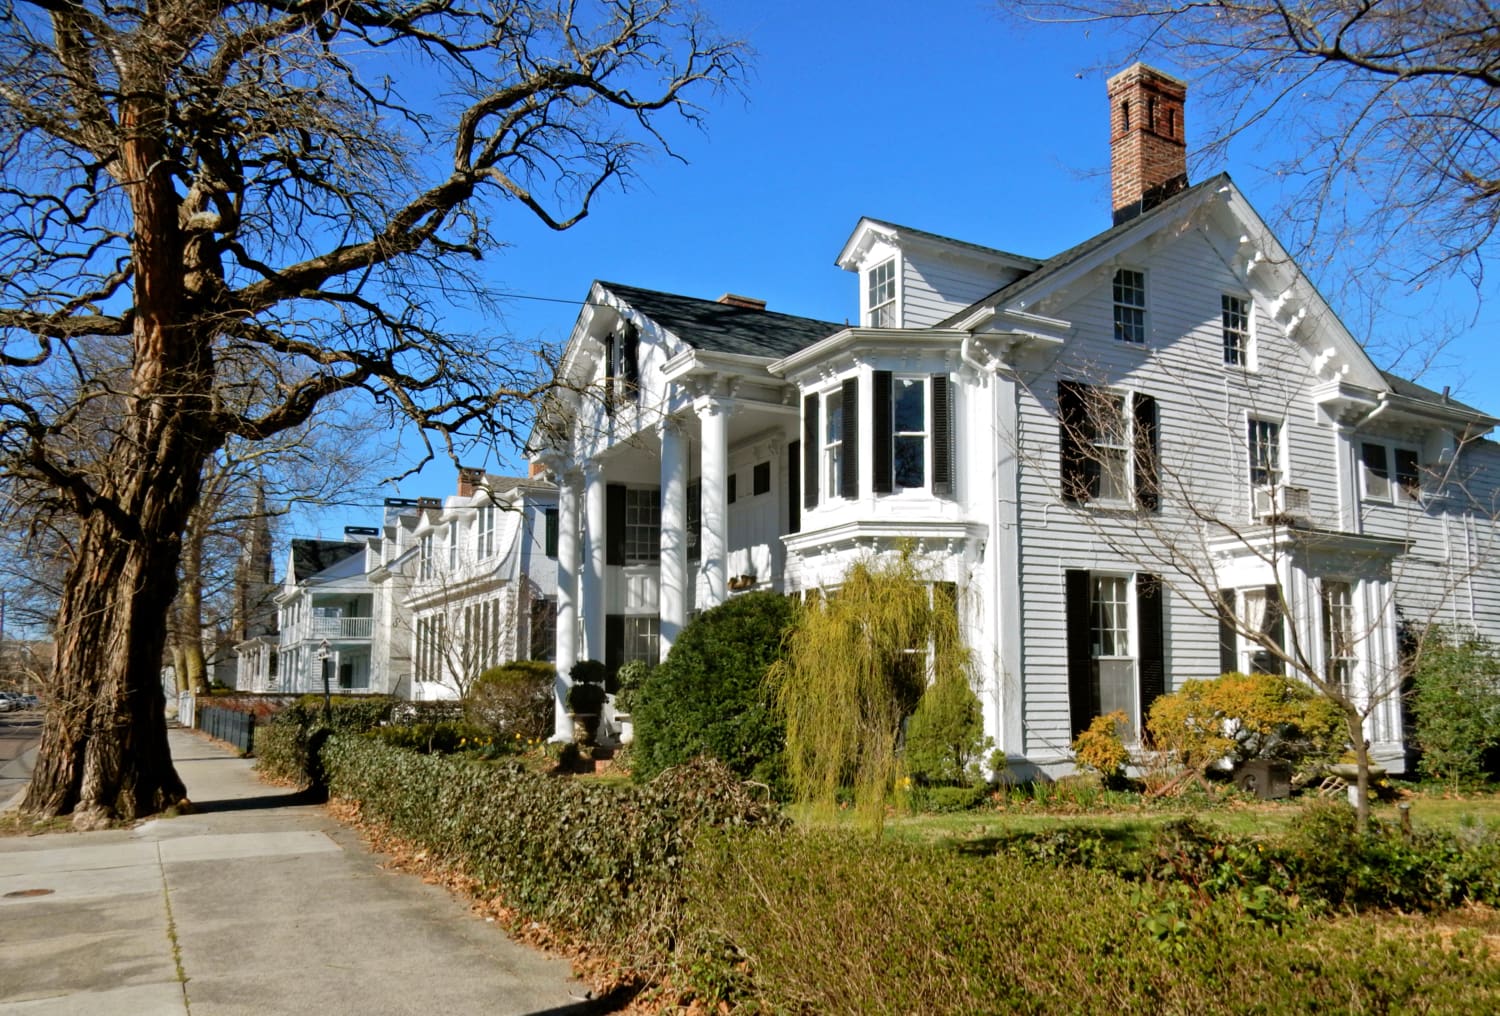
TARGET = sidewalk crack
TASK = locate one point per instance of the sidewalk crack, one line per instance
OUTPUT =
(166, 894)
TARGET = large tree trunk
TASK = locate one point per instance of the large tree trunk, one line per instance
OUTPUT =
(104, 750)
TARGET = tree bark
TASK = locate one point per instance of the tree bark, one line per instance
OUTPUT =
(104, 751)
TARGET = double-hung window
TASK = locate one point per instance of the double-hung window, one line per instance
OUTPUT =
(1381, 464)
(1338, 635)
(426, 566)
(1264, 439)
(1108, 446)
(909, 431)
(833, 441)
(1130, 306)
(642, 639)
(453, 547)
(484, 532)
(1235, 319)
(880, 299)
(1116, 652)
(642, 524)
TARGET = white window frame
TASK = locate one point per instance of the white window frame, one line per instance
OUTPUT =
(425, 564)
(642, 525)
(1124, 314)
(1238, 338)
(484, 532)
(832, 450)
(923, 384)
(642, 639)
(1122, 614)
(1275, 473)
(881, 294)
(1340, 641)
(453, 547)
(1394, 491)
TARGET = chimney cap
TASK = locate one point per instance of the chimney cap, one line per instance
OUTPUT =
(746, 302)
(1144, 70)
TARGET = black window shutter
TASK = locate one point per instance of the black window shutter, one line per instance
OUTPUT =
(1276, 628)
(849, 461)
(609, 374)
(810, 446)
(614, 523)
(614, 646)
(1147, 451)
(1080, 653)
(630, 350)
(880, 433)
(942, 435)
(1153, 659)
(794, 487)
(1229, 657)
(1075, 439)
(550, 543)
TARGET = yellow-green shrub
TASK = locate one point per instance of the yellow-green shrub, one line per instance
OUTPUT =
(1099, 748)
(1244, 716)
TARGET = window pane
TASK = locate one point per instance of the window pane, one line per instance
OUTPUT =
(1236, 319)
(1408, 473)
(908, 461)
(1265, 453)
(909, 405)
(1130, 306)
(1377, 477)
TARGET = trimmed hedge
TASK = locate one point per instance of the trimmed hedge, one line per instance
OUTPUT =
(281, 744)
(832, 923)
(593, 861)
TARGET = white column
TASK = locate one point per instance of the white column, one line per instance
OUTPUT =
(672, 597)
(567, 598)
(595, 528)
(713, 415)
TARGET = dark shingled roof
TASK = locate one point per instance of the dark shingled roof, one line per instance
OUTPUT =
(977, 247)
(312, 556)
(1058, 262)
(720, 328)
(1412, 390)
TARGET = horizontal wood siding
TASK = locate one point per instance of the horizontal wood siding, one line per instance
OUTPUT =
(1201, 407)
(936, 288)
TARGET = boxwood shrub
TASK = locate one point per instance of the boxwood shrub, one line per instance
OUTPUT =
(709, 697)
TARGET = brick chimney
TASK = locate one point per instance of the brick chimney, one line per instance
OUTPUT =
(747, 302)
(469, 479)
(1147, 143)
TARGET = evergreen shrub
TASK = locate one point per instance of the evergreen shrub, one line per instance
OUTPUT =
(1455, 706)
(709, 696)
(515, 698)
(598, 863)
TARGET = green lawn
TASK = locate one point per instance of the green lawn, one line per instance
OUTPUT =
(1123, 818)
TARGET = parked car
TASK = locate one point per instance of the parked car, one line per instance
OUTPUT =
(9, 701)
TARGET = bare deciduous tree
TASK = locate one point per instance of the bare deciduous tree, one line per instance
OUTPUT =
(233, 192)
(1389, 111)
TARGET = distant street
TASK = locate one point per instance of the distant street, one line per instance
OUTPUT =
(19, 734)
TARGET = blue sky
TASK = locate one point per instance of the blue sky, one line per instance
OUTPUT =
(942, 115)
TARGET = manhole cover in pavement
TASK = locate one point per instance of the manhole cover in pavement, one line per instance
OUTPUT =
(29, 892)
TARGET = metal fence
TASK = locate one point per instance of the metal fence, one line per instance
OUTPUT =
(232, 725)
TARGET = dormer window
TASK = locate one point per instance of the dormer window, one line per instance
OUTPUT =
(880, 302)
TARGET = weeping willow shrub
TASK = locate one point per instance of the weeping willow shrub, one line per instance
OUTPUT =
(855, 665)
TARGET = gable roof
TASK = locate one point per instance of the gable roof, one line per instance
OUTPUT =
(1020, 261)
(1059, 262)
(715, 327)
(312, 556)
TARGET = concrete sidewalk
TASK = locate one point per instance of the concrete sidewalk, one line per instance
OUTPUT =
(255, 904)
